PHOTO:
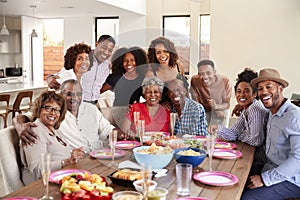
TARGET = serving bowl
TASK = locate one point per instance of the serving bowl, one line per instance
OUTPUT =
(155, 161)
(127, 195)
(138, 185)
(194, 160)
(158, 194)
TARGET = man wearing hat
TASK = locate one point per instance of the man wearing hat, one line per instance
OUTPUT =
(280, 176)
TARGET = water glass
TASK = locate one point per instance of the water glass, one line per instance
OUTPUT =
(46, 170)
(183, 178)
(112, 141)
(210, 145)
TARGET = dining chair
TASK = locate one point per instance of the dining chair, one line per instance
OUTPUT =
(4, 104)
(10, 160)
(18, 107)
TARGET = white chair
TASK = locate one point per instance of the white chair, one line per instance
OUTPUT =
(10, 162)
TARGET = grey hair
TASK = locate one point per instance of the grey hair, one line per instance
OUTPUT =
(150, 81)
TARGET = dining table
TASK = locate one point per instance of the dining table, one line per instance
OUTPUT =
(240, 167)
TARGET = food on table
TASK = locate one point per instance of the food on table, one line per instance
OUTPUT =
(194, 143)
(154, 149)
(127, 195)
(158, 194)
(128, 174)
(79, 185)
(189, 152)
(223, 145)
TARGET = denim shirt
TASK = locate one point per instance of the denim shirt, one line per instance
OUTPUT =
(283, 146)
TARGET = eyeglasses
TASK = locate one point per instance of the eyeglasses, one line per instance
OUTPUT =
(73, 94)
(58, 139)
(50, 109)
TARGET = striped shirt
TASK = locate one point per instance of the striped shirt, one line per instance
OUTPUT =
(250, 127)
(192, 120)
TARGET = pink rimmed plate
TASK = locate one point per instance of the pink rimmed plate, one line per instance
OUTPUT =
(21, 198)
(192, 198)
(216, 178)
(225, 145)
(106, 154)
(227, 153)
(130, 144)
(56, 176)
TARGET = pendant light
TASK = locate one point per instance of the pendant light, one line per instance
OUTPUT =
(4, 30)
(33, 33)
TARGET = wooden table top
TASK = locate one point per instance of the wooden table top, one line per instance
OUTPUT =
(239, 167)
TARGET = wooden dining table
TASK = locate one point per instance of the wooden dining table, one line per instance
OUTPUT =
(239, 167)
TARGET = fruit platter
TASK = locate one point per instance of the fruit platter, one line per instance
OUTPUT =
(83, 186)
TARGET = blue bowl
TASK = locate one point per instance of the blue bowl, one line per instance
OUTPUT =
(193, 160)
(156, 161)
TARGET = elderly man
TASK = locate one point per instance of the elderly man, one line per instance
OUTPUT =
(191, 114)
(93, 79)
(84, 125)
(280, 176)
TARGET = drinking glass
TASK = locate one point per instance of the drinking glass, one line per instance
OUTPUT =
(136, 118)
(210, 145)
(173, 117)
(112, 141)
(183, 178)
(146, 176)
(141, 130)
(46, 170)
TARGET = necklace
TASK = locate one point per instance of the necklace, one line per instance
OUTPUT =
(129, 77)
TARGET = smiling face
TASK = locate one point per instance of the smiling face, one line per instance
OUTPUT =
(129, 62)
(73, 96)
(244, 94)
(177, 92)
(49, 118)
(103, 50)
(152, 95)
(82, 63)
(270, 93)
(162, 54)
(207, 74)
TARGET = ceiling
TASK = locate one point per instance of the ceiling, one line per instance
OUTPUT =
(58, 8)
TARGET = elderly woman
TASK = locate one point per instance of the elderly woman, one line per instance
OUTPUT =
(48, 112)
(157, 117)
(76, 63)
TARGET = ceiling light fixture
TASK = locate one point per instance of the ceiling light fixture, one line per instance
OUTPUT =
(4, 30)
(33, 33)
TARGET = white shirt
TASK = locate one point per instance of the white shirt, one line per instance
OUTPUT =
(93, 79)
(65, 75)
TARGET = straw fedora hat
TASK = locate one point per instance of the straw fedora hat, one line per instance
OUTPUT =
(269, 75)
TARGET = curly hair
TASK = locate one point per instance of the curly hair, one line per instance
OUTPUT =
(246, 76)
(49, 96)
(72, 52)
(117, 60)
(169, 45)
(140, 57)
(152, 80)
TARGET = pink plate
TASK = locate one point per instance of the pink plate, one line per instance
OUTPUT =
(56, 176)
(225, 145)
(106, 154)
(21, 198)
(130, 144)
(192, 198)
(227, 153)
(216, 178)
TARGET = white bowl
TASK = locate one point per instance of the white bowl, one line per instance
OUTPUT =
(138, 184)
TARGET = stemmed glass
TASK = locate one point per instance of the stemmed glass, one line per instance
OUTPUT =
(173, 117)
(112, 141)
(146, 176)
(141, 130)
(46, 170)
(136, 118)
(210, 145)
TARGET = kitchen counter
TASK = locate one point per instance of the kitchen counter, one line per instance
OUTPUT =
(19, 86)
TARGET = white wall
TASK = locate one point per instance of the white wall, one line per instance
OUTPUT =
(257, 34)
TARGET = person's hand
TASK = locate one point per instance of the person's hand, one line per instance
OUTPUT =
(220, 114)
(212, 128)
(212, 103)
(77, 154)
(128, 135)
(237, 110)
(52, 83)
(255, 181)
(26, 134)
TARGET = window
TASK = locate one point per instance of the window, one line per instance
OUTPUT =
(204, 36)
(174, 24)
(107, 26)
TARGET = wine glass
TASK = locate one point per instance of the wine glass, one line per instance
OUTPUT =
(136, 118)
(173, 117)
(46, 170)
(112, 141)
(210, 145)
(141, 130)
(146, 176)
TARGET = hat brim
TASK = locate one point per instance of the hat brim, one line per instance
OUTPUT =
(255, 81)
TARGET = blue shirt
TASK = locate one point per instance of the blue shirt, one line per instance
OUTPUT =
(192, 120)
(283, 146)
(249, 127)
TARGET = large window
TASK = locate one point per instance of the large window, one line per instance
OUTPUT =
(204, 36)
(177, 29)
(107, 26)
